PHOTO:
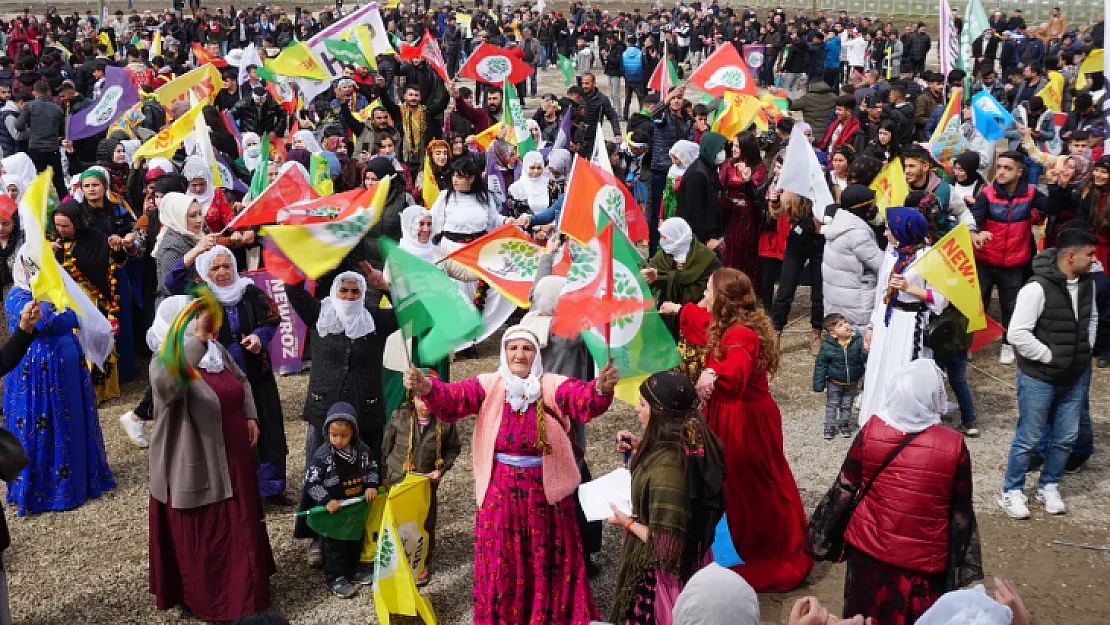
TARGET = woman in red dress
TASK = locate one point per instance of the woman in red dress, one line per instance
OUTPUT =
(763, 507)
(741, 203)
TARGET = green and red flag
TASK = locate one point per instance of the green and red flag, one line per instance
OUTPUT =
(665, 77)
(724, 71)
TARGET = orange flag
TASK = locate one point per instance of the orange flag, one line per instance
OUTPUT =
(505, 258)
(592, 191)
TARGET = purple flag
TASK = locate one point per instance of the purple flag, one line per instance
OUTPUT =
(287, 345)
(562, 139)
(117, 96)
(494, 180)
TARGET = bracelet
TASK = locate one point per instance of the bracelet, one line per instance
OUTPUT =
(629, 524)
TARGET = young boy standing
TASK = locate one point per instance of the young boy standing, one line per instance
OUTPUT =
(342, 468)
(838, 370)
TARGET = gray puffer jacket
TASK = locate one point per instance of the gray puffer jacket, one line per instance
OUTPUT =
(849, 267)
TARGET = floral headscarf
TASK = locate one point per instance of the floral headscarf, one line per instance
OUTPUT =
(910, 230)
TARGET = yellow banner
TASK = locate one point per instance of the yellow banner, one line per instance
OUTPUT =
(204, 83)
(1093, 64)
(429, 188)
(890, 186)
(949, 267)
(298, 61)
(166, 141)
(401, 551)
(1053, 92)
(42, 267)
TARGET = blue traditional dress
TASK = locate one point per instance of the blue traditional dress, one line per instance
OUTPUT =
(50, 404)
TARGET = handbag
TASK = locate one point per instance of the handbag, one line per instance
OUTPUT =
(12, 456)
(824, 539)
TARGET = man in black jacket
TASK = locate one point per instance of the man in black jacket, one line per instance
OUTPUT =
(918, 49)
(452, 44)
(260, 113)
(611, 56)
(44, 123)
(596, 106)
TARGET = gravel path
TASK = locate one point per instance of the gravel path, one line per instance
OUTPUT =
(90, 565)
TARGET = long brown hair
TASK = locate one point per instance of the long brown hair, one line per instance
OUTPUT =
(734, 302)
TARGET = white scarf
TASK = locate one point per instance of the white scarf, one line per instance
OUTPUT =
(915, 397)
(679, 238)
(532, 190)
(173, 209)
(521, 392)
(410, 221)
(252, 151)
(213, 359)
(196, 167)
(163, 318)
(229, 295)
(309, 140)
(338, 316)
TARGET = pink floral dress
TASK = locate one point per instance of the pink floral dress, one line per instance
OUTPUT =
(529, 568)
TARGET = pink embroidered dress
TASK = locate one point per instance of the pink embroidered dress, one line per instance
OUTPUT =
(529, 568)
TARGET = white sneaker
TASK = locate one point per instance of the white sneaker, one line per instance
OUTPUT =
(1053, 504)
(136, 430)
(1006, 354)
(1014, 503)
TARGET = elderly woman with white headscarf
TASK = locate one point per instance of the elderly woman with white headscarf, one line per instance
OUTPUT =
(217, 210)
(251, 321)
(531, 187)
(559, 163)
(912, 536)
(683, 154)
(525, 474)
(252, 151)
(347, 341)
(679, 272)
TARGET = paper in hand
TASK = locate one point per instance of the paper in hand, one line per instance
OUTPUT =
(614, 487)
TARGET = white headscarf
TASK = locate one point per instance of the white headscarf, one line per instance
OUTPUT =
(252, 151)
(521, 392)
(20, 278)
(716, 596)
(679, 238)
(14, 180)
(970, 606)
(686, 152)
(213, 359)
(229, 295)
(163, 318)
(287, 165)
(172, 211)
(310, 142)
(410, 221)
(533, 190)
(338, 316)
(163, 163)
(197, 167)
(915, 397)
(20, 166)
(545, 297)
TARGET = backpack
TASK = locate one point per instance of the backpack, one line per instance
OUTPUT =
(947, 333)
(633, 63)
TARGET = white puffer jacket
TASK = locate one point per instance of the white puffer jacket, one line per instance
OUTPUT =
(849, 267)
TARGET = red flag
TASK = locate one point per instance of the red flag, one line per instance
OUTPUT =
(429, 50)
(986, 336)
(665, 76)
(278, 264)
(593, 192)
(723, 71)
(505, 258)
(204, 58)
(589, 301)
(493, 65)
(286, 191)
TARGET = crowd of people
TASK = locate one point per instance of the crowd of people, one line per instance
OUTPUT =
(148, 242)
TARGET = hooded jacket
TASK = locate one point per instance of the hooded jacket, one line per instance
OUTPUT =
(700, 188)
(816, 106)
(326, 477)
(849, 267)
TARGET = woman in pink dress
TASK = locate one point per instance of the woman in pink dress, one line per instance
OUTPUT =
(742, 177)
(528, 561)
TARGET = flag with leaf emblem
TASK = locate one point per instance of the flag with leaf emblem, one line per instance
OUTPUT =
(493, 66)
(400, 550)
(566, 66)
(514, 116)
(345, 51)
(592, 191)
(505, 258)
(723, 71)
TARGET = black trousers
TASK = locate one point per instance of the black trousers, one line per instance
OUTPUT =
(793, 264)
(1009, 281)
(42, 160)
(770, 270)
(633, 88)
(340, 558)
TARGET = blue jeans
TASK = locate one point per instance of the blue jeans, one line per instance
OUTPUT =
(1039, 403)
(532, 78)
(1085, 441)
(956, 367)
(1032, 170)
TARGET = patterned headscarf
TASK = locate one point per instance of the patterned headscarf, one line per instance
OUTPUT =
(910, 230)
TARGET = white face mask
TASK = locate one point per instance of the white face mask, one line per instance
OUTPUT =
(346, 309)
(720, 158)
(253, 151)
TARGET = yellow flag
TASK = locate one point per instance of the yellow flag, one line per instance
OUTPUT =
(156, 44)
(429, 189)
(400, 555)
(1091, 65)
(628, 390)
(364, 114)
(890, 186)
(361, 35)
(319, 175)
(1053, 92)
(949, 267)
(166, 141)
(203, 83)
(298, 61)
(41, 265)
(486, 137)
(106, 40)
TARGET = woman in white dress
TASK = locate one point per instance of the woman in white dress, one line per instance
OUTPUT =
(460, 215)
(904, 302)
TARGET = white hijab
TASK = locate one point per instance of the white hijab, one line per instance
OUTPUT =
(532, 190)
(310, 142)
(229, 295)
(252, 151)
(679, 238)
(716, 596)
(338, 316)
(545, 297)
(173, 209)
(410, 221)
(14, 180)
(163, 318)
(521, 392)
(686, 152)
(197, 167)
(20, 166)
(915, 397)
(970, 606)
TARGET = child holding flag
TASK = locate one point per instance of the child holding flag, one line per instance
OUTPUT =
(416, 441)
(342, 468)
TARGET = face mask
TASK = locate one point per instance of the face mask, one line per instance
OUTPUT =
(346, 309)
(253, 151)
(720, 158)
(391, 157)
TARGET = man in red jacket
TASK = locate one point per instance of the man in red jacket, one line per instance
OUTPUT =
(845, 129)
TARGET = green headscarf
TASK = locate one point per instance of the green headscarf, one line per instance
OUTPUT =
(711, 144)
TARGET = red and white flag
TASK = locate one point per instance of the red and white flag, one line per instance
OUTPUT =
(493, 65)
(723, 71)
(505, 258)
(429, 50)
(596, 197)
(288, 189)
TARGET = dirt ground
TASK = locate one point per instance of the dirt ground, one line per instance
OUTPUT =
(89, 565)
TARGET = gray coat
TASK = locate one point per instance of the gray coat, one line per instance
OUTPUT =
(174, 247)
(849, 267)
(44, 123)
(188, 459)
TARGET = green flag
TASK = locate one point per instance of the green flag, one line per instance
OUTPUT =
(261, 180)
(345, 51)
(347, 523)
(566, 66)
(514, 116)
(639, 344)
(427, 301)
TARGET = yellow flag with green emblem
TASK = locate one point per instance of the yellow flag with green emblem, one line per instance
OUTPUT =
(40, 264)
